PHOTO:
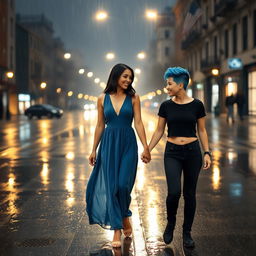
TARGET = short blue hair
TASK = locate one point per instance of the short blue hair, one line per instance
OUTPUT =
(179, 75)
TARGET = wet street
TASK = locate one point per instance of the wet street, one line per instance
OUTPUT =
(44, 171)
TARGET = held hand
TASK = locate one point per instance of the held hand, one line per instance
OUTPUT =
(145, 156)
(207, 162)
(92, 158)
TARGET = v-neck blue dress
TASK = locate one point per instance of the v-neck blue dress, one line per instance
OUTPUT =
(112, 179)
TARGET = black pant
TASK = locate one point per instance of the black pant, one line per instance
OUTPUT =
(178, 158)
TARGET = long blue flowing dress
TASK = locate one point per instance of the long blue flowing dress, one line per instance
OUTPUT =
(113, 176)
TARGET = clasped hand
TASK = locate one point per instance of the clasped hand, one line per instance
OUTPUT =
(145, 156)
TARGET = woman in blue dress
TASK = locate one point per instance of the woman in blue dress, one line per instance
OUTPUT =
(112, 179)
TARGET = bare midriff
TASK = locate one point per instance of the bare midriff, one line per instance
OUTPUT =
(181, 140)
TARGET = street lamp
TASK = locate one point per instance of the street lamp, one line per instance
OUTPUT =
(215, 71)
(96, 80)
(141, 55)
(137, 71)
(110, 56)
(58, 90)
(101, 15)
(70, 93)
(80, 96)
(90, 74)
(81, 71)
(151, 14)
(102, 85)
(67, 55)
(43, 85)
(10, 74)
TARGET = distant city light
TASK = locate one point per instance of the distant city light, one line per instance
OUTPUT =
(101, 15)
(110, 56)
(43, 85)
(159, 92)
(58, 90)
(96, 80)
(10, 74)
(86, 107)
(81, 71)
(67, 56)
(70, 93)
(215, 71)
(137, 71)
(141, 55)
(151, 14)
(80, 96)
(102, 85)
(90, 74)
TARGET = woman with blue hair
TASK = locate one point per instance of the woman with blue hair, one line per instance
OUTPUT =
(183, 115)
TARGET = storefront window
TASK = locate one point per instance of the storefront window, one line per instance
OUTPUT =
(252, 92)
(215, 96)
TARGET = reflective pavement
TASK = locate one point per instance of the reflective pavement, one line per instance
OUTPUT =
(44, 172)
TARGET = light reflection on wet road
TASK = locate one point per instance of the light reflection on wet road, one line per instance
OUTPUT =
(43, 176)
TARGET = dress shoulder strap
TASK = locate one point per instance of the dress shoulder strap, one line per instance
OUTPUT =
(106, 99)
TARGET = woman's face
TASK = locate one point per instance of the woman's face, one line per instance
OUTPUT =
(172, 87)
(125, 79)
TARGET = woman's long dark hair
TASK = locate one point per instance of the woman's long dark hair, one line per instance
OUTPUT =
(114, 76)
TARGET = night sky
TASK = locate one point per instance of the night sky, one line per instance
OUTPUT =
(126, 32)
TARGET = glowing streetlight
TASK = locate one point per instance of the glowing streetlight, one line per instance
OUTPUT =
(10, 74)
(96, 80)
(215, 71)
(101, 15)
(90, 74)
(141, 55)
(110, 56)
(159, 92)
(80, 96)
(67, 55)
(70, 93)
(58, 90)
(137, 71)
(81, 71)
(151, 14)
(43, 85)
(86, 97)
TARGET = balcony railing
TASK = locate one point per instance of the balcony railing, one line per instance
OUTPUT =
(224, 6)
(210, 63)
(190, 39)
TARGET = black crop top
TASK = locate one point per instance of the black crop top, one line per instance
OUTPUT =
(182, 118)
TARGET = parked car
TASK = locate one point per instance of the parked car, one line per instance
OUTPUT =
(40, 110)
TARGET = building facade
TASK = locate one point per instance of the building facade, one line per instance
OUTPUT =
(219, 49)
(161, 52)
(8, 94)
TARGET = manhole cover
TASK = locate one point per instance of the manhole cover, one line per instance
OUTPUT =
(41, 242)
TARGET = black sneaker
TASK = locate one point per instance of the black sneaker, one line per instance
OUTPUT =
(168, 233)
(188, 242)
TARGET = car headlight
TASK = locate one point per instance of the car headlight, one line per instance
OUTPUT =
(54, 111)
